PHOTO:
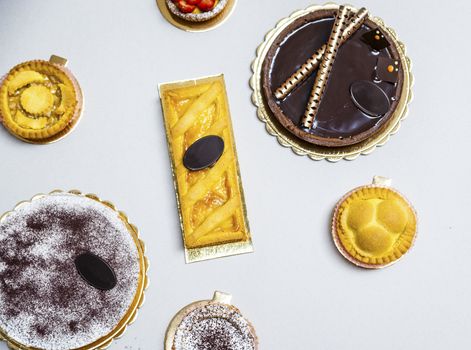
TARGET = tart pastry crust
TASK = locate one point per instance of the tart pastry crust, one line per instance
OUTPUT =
(38, 100)
(374, 226)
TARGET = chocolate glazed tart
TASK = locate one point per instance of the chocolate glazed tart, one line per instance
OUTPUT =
(342, 130)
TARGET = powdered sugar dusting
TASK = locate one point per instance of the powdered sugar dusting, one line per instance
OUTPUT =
(214, 327)
(44, 303)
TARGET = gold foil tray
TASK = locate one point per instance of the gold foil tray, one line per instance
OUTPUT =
(189, 26)
(214, 246)
(143, 282)
(302, 148)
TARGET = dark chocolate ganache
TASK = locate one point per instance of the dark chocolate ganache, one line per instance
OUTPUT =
(339, 121)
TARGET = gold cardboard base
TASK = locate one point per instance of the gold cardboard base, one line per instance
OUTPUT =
(218, 251)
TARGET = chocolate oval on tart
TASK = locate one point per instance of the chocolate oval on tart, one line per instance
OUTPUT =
(339, 121)
(70, 273)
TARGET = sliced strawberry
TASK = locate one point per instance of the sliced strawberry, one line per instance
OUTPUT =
(193, 2)
(184, 6)
(206, 5)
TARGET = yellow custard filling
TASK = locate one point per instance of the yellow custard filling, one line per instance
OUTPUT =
(211, 204)
(37, 100)
(376, 225)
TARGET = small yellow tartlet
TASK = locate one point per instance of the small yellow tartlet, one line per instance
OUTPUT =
(374, 226)
(38, 100)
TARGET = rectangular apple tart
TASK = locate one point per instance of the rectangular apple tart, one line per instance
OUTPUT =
(205, 168)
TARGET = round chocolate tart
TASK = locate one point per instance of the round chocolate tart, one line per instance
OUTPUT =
(339, 121)
(365, 96)
(374, 226)
(40, 101)
(211, 325)
(72, 273)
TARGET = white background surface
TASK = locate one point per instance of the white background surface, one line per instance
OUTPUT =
(296, 289)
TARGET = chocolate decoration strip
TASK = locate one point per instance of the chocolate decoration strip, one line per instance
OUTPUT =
(369, 98)
(326, 66)
(203, 153)
(95, 271)
(308, 67)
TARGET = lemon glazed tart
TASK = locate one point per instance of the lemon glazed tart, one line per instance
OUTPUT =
(211, 325)
(72, 273)
(374, 226)
(40, 101)
(205, 168)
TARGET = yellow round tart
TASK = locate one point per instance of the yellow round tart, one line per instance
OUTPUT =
(374, 226)
(39, 100)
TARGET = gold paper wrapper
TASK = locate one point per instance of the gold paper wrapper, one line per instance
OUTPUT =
(302, 148)
(189, 26)
(211, 250)
(143, 283)
(61, 63)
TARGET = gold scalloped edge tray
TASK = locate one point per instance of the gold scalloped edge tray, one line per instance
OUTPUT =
(218, 298)
(302, 148)
(143, 284)
(59, 63)
(204, 26)
(378, 182)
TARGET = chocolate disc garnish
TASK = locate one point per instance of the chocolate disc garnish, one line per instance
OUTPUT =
(203, 153)
(387, 69)
(376, 39)
(95, 271)
(369, 98)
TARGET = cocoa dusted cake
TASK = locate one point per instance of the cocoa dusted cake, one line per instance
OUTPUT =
(70, 272)
(355, 92)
